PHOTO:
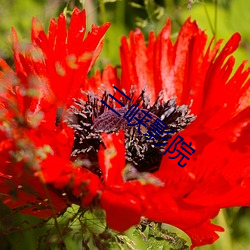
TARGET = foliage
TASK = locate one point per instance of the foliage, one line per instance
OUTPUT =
(157, 236)
(84, 229)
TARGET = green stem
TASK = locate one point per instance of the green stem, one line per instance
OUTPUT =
(225, 238)
(53, 211)
(208, 17)
(215, 17)
(120, 12)
(103, 11)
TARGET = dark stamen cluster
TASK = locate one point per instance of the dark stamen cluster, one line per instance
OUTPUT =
(89, 118)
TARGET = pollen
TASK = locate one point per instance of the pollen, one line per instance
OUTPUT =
(90, 117)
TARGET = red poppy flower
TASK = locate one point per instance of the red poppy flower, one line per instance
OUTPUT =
(183, 85)
(36, 143)
(216, 175)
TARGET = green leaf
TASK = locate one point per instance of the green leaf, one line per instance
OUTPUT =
(157, 237)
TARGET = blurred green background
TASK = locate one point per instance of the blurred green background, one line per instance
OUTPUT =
(219, 17)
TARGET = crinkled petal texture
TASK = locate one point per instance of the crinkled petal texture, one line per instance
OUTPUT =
(36, 172)
(50, 72)
(61, 59)
(217, 174)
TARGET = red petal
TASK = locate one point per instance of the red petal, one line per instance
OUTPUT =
(122, 210)
(112, 158)
(77, 29)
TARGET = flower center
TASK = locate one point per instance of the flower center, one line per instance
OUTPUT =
(144, 148)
